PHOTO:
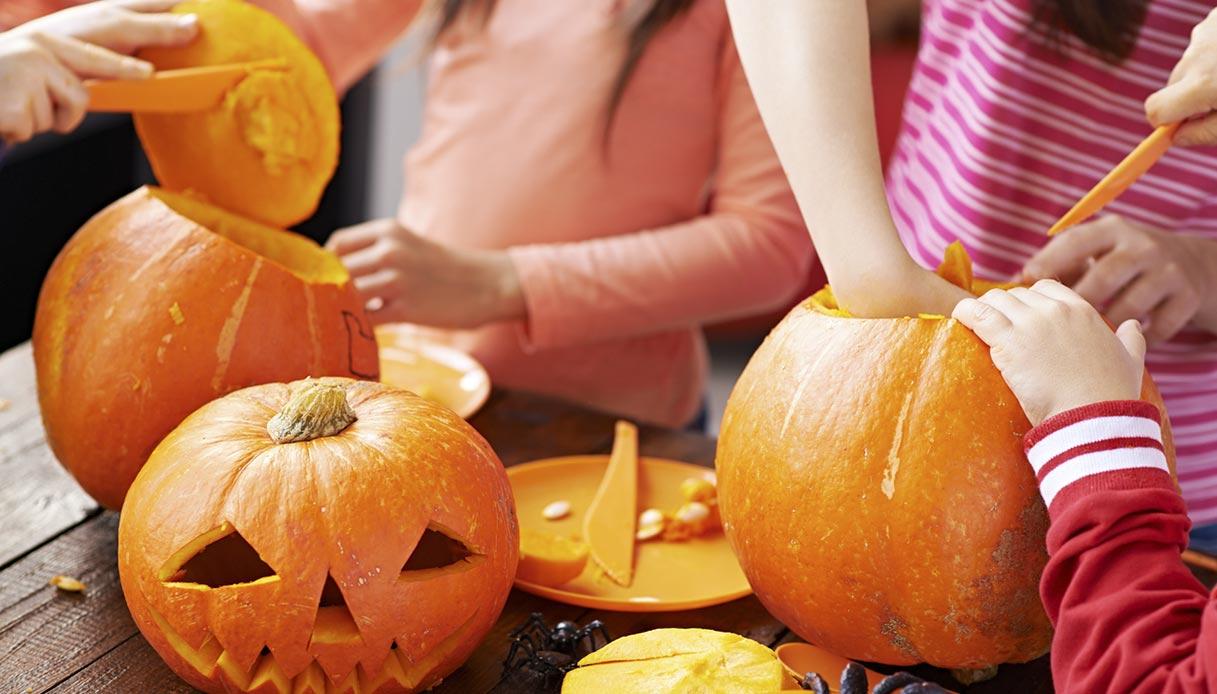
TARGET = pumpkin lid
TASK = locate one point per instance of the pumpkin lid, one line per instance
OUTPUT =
(270, 148)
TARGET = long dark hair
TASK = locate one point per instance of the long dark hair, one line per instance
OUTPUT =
(1110, 27)
(658, 16)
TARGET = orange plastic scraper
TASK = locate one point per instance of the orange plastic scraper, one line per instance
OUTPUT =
(608, 526)
(1124, 175)
(173, 91)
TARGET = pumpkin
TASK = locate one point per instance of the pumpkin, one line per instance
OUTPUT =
(678, 660)
(162, 303)
(269, 149)
(872, 483)
(325, 535)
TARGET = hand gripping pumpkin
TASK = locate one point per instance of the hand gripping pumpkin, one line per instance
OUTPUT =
(872, 482)
(324, 536)
(162, 303)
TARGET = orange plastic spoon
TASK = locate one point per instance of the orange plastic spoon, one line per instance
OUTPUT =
(173, 91)
(608, 527)
(1124, 175)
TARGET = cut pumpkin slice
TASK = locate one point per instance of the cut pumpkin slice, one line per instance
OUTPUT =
(550, 560)
(678, 660)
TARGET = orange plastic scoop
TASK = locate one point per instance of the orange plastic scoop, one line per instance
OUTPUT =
(608, 526)
(1124, 175)
(173, 91)
(798, 659)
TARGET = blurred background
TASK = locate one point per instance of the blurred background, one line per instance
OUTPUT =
(52, 185)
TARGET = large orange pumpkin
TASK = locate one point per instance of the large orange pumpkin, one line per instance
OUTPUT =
(872, 482)
(162, 303)
(269, 149)
(323, 536)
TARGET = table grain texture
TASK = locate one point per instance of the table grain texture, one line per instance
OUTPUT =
(51, 641)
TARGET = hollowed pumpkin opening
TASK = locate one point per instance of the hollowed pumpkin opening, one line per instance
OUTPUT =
(294, 253)
(217, 558)
(438, 550)
(956, 268)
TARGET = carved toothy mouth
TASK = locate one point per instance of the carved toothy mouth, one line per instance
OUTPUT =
(210, 660)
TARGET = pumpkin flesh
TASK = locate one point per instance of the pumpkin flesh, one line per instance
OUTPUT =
(678, 660)
(873, 485)
(148, 313)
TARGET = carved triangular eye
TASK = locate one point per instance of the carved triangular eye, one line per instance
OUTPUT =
(438, 549)
(217, 558)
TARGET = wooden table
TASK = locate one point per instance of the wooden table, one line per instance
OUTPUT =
(54, 641)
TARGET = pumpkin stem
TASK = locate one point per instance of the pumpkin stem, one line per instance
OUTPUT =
(315, 410)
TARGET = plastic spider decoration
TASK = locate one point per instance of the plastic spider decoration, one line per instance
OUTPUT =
(853, 681)
(541, 652)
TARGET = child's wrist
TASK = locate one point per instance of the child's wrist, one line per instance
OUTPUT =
(504, 294)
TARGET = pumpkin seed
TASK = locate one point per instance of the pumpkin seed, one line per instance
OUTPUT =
(67, 583)
(556, 510)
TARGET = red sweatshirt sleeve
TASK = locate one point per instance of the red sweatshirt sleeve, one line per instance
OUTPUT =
(1129, 616)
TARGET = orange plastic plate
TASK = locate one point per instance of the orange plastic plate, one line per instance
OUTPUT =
(433, 371)
(668, 576)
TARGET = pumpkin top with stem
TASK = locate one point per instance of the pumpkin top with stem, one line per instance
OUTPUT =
(317, 409)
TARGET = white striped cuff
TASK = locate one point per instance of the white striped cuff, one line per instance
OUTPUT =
(1096, 463)
(1097, 439)
(1089, 431)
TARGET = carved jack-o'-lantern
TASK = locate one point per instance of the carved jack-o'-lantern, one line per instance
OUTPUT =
(324, 536)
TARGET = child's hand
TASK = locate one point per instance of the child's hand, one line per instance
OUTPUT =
(1131, 271)
(43, 63)
(122, 26)
(1191, 91)
(1054, 350)
(407, 278)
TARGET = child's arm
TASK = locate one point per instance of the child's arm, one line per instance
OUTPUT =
(808, 62)
(1128, 615)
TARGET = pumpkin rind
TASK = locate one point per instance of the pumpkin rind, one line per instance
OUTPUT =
(873, 485)
(147, 315)
(268, 151)
(348, 508)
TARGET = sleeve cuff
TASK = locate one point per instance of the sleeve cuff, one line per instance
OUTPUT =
(547, 297)
(1102, 446)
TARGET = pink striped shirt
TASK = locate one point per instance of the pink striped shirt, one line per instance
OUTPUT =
(1004, 131)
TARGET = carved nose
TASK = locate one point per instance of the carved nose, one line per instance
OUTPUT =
(335, 624)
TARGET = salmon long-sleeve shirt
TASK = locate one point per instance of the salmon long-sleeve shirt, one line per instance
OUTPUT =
(623, 250)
